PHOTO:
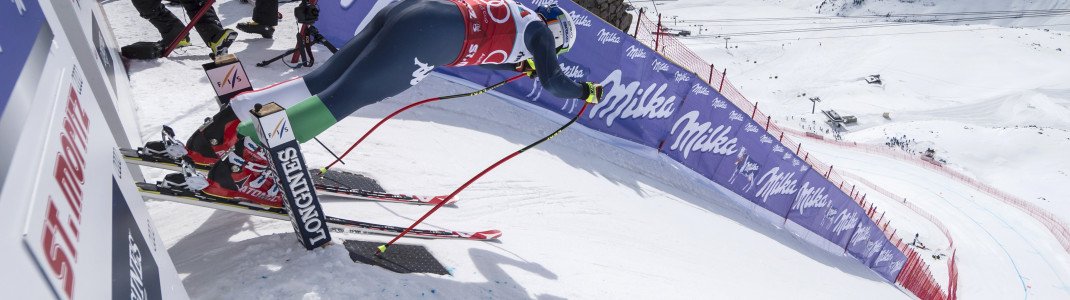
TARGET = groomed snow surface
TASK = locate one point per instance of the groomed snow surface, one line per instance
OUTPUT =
(583, 218)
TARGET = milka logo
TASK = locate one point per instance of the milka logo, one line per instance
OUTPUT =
(884, 256)
(845, 220)
(681, 76)
(607, 36)
(750, 128)
(572, 71)
(735, 116)
(765, 139)
(579, 19)
(699, 89)
(860, 235)
(659, 65)
(810, 197)
(628, 101)
(701, 137)
(775, 183)
(786, 155)
(778, 149)
(634, 52)
(719, 103)
(745, 167)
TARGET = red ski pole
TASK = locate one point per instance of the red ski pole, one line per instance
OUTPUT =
(196, 18)
(382, 248)
(366, 134)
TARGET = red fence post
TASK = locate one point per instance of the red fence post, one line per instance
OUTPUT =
(829, 172)
(768, 119)
(710, 81)
(753, 111)
(798, 148)
(723, 75)
(657, 35)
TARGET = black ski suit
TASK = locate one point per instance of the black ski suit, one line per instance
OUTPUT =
(169, 26)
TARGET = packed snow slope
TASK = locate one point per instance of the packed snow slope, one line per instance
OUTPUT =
(992, 99)
(582, 218)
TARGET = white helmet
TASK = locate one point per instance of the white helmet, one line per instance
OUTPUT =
(560, 23)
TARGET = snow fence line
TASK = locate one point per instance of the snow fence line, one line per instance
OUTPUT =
(663, 96)
(1058, 228)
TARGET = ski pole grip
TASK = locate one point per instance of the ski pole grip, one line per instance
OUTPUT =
(299, 195)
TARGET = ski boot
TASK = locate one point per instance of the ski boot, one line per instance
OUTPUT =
(253, 27)
(245, 174)
(221, 44)
(214, 138)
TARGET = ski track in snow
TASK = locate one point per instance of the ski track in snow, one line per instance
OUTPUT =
(584, 219)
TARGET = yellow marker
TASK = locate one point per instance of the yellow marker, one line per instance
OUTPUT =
(382, 249)
(323, 170)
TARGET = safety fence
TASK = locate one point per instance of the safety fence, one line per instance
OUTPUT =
(1057, 227)
(915, 275)
(675, 103)
(952, 267)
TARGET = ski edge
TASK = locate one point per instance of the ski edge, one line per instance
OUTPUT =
(131, 156)
(337, 225)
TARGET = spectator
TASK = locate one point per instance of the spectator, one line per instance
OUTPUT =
(211, 31)
(265, 17)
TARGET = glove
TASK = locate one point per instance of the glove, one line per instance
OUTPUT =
(527, 67)
(306, 13)
(593, 92)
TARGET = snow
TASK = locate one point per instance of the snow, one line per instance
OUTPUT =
(586, 218)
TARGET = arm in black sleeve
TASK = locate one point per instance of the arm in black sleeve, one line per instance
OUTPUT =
(540, 42)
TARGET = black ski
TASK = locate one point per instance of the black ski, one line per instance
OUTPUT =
(337, 225)
(333, 183)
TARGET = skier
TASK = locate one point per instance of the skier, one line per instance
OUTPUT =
(265, 17)
(398, 48)
(211, 31)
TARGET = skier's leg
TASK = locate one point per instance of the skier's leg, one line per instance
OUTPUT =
(292, 91)
(208, 26)
(266, 12)
(209, 143)
(409, 45)
(322, 77)
(165, 22)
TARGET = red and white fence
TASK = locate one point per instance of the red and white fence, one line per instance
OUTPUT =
(915, 275)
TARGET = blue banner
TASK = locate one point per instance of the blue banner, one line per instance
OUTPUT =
(653, 102)
(20, 22)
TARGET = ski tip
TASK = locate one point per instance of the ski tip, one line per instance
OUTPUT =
(487, 235)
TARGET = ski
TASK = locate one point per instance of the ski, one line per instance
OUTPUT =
(324, 184)
(337, 225)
